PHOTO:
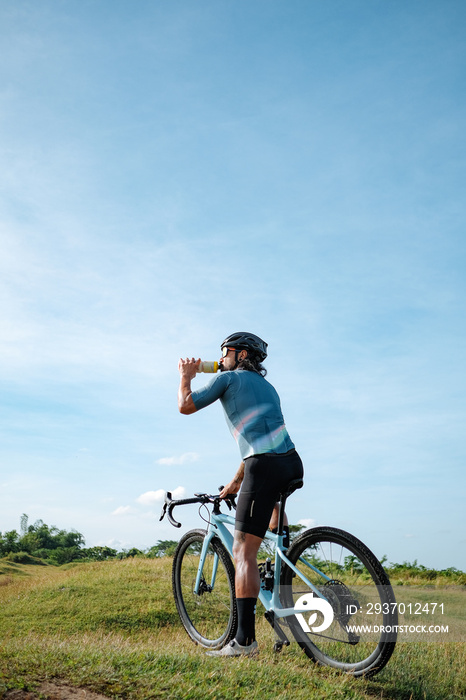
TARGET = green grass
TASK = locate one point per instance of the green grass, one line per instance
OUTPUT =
(112, 627)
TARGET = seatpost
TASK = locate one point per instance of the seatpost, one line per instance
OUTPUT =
(281, 513)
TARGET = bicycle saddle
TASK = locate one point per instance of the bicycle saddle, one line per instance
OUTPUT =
(292, 486)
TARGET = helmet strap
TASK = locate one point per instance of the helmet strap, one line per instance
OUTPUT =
(236, 358)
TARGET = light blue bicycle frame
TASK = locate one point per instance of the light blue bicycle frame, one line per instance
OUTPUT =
(269, 599)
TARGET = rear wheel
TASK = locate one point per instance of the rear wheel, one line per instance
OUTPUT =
(355, 630)
(208, 616)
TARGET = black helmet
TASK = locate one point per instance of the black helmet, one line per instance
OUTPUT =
(247, 341)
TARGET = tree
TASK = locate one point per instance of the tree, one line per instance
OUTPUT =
(24, 524)
(40, 540)
(9, 543)
(99, 553)
(295, 530)
(133, 552)
(353, 564)
(163, 548)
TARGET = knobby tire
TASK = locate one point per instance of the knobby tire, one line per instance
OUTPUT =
(355, 578)
(210, 616)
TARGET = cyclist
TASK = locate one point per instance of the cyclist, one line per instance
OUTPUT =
(269, 461)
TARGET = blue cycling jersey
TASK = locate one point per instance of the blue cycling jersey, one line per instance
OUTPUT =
(252, 411)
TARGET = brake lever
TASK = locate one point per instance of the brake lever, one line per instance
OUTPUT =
(225, 500)
(167, 509)
(167, 501)
(229, 500)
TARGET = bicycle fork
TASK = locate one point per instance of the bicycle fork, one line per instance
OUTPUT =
(228, 540)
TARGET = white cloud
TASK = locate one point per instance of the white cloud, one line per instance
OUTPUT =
(307, 522)
(186, 457)
(150, 498)
(122, 510)
(179, 492)
(114, 543)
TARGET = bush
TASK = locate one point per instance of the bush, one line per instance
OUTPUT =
(44, 542)
(24, 558)
(99, 553)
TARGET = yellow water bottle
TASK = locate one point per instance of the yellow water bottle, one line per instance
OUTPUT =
(208, 367)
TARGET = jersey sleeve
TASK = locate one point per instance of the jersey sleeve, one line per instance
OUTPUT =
(212, 391)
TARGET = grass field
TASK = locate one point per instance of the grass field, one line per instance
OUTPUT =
(112, 627)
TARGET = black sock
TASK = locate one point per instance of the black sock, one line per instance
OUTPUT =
(286, 535)
(246, 633)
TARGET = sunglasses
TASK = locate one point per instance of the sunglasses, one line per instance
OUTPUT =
(225, 351)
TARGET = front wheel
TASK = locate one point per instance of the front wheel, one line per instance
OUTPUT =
(352, 619)
(209, 614)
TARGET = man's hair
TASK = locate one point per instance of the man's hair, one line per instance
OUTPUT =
(252, 364)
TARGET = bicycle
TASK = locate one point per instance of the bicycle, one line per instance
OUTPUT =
(325, 570)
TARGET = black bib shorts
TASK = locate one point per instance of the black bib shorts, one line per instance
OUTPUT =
(266, 476)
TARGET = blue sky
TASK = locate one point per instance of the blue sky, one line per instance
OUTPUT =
(174, 172)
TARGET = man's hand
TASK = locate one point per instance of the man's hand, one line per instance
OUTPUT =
(235, 484)
(187, 369)
(229, 489)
